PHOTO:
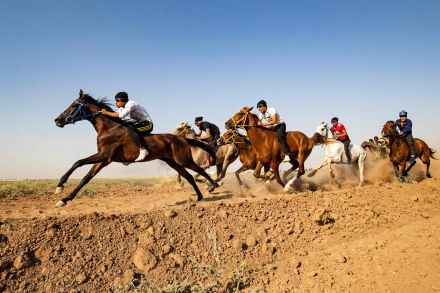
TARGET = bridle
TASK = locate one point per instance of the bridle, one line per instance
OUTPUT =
(241, 120)
(231, 139)
(79, 114)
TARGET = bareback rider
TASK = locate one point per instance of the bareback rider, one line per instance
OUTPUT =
(404, 126)
(138, 119)
(341, 134)
(212, 132)
(271, 119)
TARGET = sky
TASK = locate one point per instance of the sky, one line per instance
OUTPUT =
(362, 61)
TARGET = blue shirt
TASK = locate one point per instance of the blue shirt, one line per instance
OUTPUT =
(405, 128)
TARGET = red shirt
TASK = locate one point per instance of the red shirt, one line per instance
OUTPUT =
(338, 129)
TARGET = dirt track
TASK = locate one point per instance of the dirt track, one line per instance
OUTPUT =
(380, 237)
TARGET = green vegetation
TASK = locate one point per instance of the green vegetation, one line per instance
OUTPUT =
(47, 186)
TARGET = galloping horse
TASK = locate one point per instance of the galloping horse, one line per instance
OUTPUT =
(225, 155)
(247, 154)
(400, 152)
(267, 146)
(115, 144)
(335, 152)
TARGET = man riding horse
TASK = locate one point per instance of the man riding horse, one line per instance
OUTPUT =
(341, 134)
(404, 126)
(212, 132)
(271, 119)
(138, 119)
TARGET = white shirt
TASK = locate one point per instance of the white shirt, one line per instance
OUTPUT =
(134, 112)
(269, 116)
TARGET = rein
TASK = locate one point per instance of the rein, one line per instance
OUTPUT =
(231, 139)
(79, 114)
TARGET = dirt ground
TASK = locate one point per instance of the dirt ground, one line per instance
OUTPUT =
(325, 237)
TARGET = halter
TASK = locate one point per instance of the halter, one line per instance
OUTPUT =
(79, 114)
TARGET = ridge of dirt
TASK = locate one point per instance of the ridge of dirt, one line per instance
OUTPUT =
(381, 237)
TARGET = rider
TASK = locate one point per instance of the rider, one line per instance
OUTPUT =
(404, 126)
(212, 132)
(341, 134)
(271, 119)
(137, 117)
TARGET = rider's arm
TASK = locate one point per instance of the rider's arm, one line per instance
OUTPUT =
(207, 134)
(108, 113)
(199, 132)
(274, 114)
(342, 133)
(408, 127)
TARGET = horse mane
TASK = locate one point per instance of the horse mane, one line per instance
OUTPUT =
(101, 103)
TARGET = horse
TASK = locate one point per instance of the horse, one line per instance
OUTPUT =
(400, 153)
(225, 155)
(268, 148)
(335, 153)
(115, 144)
(247, 154)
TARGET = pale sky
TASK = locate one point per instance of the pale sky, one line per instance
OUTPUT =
(363, 61)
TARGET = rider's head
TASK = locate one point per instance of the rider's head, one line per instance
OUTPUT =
(121, 99)
(262, 106)
(334, 121)
(403, 114)
(376, 139)
(198, 121)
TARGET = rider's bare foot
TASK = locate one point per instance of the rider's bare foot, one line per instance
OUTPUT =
(143, 153)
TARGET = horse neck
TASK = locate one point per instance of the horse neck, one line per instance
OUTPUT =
(254, 132)
(101, 123)
(316, 139)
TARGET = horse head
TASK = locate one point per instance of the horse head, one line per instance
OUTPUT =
(184, 129)
(230, 136)
(389, 129)
(240, 119)
(85, 107)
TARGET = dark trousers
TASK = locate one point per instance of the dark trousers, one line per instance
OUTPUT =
(410, 140)
(346, 148)
(139, 130)
(213, 140)
(281, 134)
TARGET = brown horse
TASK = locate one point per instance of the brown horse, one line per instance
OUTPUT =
(247, 154)
(400, 152)
(115, 144)
(267, 147)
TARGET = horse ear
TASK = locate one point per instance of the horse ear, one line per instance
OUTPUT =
(81, 93)
(250, 109)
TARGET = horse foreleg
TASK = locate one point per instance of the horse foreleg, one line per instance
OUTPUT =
(179, 180)
(405, 172)
(332, 175)
(237, 174)
(95, 169)
(257, 171)
(313, 172)
(96, 158)
(275, 168)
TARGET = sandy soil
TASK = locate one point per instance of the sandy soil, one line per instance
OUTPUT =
(326, 237)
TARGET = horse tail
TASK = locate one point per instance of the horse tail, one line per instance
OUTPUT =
(431, 153)
(203, 146)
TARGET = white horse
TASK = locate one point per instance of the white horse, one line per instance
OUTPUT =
(335, 153)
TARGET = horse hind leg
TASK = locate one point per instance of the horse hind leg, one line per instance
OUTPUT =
(185, 174)
(428, 174)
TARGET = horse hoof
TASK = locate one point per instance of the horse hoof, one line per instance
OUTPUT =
(59, 189)
(199, 198)
(60, 204)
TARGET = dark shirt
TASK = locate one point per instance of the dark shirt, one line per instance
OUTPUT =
(213, 129)
(405, 128)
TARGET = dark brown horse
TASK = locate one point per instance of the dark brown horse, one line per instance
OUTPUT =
(267, 147)
(400, 152)
(115, 144)
(246, 152)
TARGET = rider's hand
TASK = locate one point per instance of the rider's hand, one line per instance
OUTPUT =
(402, 134)
(103, 111)
(260, 123)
